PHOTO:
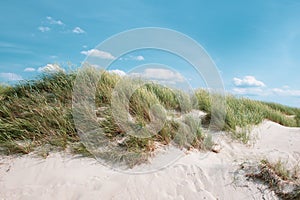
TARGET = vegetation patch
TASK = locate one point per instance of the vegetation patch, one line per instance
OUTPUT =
(38, 113)
(243, 113)
(285, 183)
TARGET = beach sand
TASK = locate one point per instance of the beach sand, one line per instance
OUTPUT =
(196, 175)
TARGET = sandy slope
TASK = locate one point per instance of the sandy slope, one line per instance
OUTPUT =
(194, 176)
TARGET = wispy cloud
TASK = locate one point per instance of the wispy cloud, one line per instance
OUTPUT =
(50, 20)
(286, 92)
(118, 72)
(78, 30)
(29, 69)
(50, 68)
(161, 75)
(58, 25)
(43, 28)
(138, 58)
(261, 90)
(250, 91)
(98, 53)
(250, 86)
(248, 81)
(164, 74)
(11, 76)
(131, 57)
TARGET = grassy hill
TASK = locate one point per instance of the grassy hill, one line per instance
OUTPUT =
(37, 115)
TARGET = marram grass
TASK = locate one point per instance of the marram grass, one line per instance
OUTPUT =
(282, 180)
(243, 113)
(38, 113)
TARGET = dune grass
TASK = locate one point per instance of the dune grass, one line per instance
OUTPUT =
(39, 112)
(283, 181)
(243, 113)
(33, 113)
(2, 88)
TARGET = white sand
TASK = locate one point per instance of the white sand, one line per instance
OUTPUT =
(194, 176)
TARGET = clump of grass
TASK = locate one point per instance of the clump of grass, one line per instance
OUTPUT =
(243, 113)
(79, 148)
(16, 147)
(281, 108)
(243, 134)
(170, 98)
(105, 87)
(203, 100)
(168, 132)
(298, 119)
(140, 104)
(39, 112)
(285, 183)
(3, 88)
(279, 169)
(195, 136)
(184, 134)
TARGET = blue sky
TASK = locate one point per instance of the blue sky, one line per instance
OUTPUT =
(255, 44)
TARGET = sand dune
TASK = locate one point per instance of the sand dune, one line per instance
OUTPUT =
(194, 176)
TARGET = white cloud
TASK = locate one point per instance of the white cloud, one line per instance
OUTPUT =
(98, 53)
(160, 74)
(248, 81)
(163, 74)
(55, 22)
(29, 69)
(138, 58)
(78, 30)
(118, 72)
(250, 91)
(286, 92)
(51, 68)
(11, 76)
(44, 28)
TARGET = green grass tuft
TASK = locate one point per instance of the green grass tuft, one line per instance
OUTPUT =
(284, 182)
(242, 113)
(39, 112)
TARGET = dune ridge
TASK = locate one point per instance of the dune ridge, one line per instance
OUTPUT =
(193, 176)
